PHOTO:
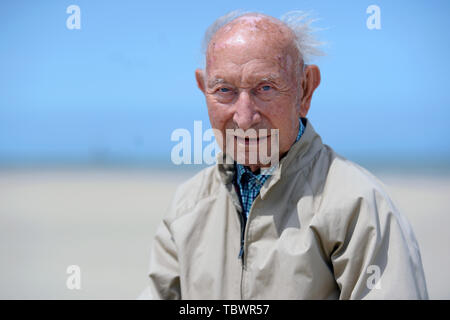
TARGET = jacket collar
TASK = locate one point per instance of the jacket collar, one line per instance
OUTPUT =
(300, 154)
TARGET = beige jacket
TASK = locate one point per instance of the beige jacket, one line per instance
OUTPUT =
(321, 228)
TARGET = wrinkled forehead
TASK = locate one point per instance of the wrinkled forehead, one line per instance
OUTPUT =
(252, 37)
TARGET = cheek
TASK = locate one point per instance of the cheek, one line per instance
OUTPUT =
(219, 118)
(282, 113)
(218, 115)
(283, 117)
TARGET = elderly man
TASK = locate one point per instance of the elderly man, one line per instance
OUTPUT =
(313, 226)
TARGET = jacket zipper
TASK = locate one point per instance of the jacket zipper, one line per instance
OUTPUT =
(241, 251)
(244, 223)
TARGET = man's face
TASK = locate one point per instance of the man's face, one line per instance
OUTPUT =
(251, 82)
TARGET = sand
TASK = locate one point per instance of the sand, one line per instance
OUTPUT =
(103, 220)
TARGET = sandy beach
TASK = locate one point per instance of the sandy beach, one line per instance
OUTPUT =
(103, 221)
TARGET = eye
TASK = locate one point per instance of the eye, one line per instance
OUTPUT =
(265, 88)
(265, 91)
(224, 94)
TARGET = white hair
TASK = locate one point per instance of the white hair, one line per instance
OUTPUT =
(298, 22)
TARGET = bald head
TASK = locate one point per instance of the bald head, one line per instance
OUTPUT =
(255, 35)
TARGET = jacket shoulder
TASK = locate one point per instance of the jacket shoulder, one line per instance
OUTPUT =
(347, 185)
(359, 226)
(355, 177)
(202, 185)
(350, 193)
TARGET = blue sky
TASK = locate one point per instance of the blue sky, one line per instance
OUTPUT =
(115, 89)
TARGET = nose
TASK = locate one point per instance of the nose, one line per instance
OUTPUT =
(246, 114)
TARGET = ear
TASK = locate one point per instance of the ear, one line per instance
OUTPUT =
(200, 77)
(310, 81)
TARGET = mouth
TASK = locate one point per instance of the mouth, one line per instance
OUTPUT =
(247, 141)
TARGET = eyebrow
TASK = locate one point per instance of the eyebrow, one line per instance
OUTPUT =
(214, 82)
(268, 78)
